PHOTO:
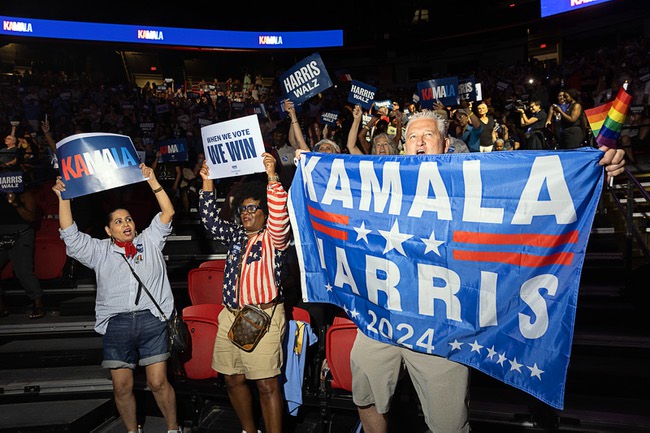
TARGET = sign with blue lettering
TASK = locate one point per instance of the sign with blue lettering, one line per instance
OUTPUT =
(444, 90)
(11, 181)
(434, 254)
(305, 79)
(233, 147)
(174, 150)
(362, 94)
(467, 89)
(93, 162)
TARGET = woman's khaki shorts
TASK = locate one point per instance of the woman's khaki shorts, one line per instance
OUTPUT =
(263, 362)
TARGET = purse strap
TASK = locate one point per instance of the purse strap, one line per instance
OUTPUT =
(141, 285)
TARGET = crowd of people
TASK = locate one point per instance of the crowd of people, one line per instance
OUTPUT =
(41, 108)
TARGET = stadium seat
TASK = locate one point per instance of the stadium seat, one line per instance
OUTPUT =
(297, 313)
(214, 264)
(338, 344)
(202, 323)
(49, 259)
(7, 272)
(205, 286)
(48, 228)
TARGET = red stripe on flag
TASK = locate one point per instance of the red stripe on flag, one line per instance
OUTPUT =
(517, 259)
(531, 239)
(335, 233)
(331, 217)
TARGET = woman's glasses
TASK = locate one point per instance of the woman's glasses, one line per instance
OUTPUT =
(251, 208)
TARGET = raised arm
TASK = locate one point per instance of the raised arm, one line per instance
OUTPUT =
(164, 202)
(367, 128)
(45, 126)
(354, 131)
(65, 210)
(295, 133)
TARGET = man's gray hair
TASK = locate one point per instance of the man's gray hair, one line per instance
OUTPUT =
(428, 114)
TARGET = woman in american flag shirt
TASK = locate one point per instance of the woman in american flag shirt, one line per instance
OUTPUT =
(256, 246)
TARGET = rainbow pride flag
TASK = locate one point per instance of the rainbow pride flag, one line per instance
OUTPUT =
(607, 120)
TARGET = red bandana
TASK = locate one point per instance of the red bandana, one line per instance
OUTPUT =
(128, 246)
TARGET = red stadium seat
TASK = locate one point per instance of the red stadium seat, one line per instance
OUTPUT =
(205, 285)
(214, 264)
(49, 259)
(338, 344)
(48, 228)
(202, 323)
(298, 314)
(7, 272)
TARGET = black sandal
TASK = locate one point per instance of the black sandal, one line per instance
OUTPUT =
(37, 313)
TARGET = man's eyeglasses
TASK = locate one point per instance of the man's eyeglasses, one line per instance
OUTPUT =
(251, 208)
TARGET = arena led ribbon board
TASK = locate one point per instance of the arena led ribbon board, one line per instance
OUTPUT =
(554, 7)
(168, 36)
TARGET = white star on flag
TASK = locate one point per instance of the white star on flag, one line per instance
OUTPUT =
(476, 347)
(394, 239)
(362, 232)
(456, 345)
(534, 371)
(432, 243)
(328, 287)
(491, 352)
(502, 358)
(514, 365)
(354, 314)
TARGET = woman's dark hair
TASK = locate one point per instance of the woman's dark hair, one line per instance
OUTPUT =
(250, 189)
(109, 216)
(574, 93)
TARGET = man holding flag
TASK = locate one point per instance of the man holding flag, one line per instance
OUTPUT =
(442, 385)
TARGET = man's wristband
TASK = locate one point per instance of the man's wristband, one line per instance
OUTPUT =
(157, 190)
(274, 178)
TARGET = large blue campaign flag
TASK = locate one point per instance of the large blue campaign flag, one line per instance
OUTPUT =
(93, 162)
(442, 255)
(305, 79)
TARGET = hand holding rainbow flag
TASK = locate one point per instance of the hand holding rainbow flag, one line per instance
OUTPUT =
(607, 120)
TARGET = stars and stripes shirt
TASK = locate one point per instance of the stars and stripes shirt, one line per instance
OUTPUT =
(263, 253)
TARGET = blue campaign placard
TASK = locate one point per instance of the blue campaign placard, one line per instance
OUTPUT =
(94, 162)
(362, 94)
(467, 89)
(444, 90)
(12, 181)
(174, 150)
(329, 117)
(305, 79)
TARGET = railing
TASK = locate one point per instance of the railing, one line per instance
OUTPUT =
(627, 209)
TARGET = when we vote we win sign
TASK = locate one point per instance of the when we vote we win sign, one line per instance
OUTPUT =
(234, 147)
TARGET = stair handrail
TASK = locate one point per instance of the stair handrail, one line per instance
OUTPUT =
(628, 210)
